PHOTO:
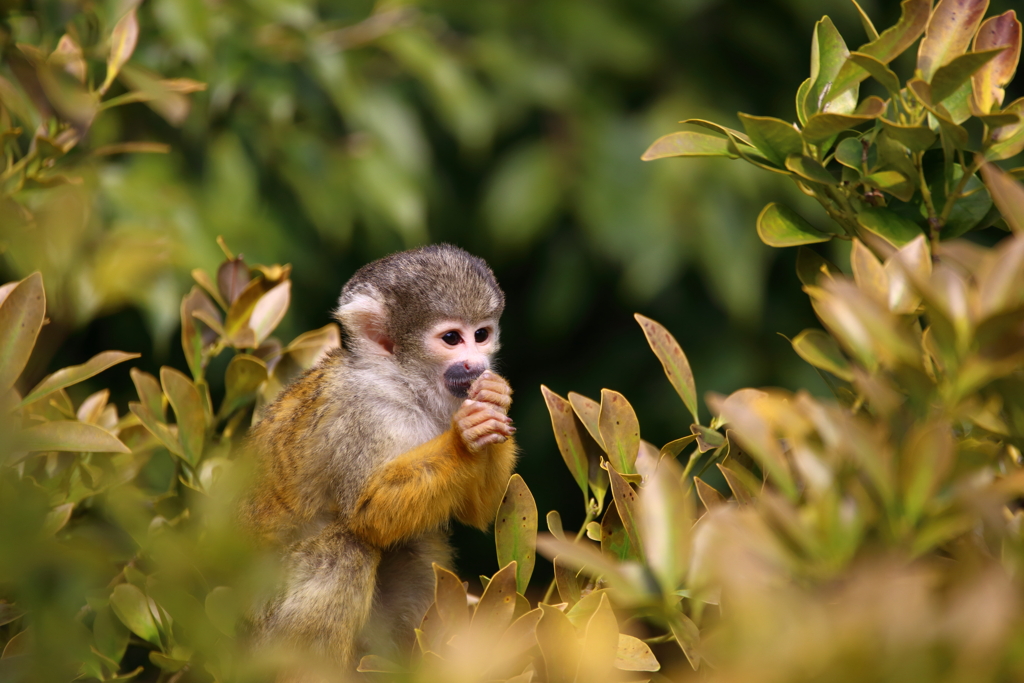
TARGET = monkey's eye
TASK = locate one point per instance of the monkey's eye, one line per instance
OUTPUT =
(481, 335)
(451, 338)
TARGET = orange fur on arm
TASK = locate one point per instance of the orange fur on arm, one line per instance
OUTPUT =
(493, 468)
(417, 491)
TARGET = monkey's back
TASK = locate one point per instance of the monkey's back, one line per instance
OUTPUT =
(319, 440)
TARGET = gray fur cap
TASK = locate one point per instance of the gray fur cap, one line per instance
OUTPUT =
(422, 286)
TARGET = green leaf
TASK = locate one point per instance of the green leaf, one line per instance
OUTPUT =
(950, 28)
(269, 310)
(708, 494)
(566, 427)
(122, 44)
(76, 373)
(968, 212)
(914, 138)
(450, 600)
(828, 54)
(243, 377)
(620, 431)
(133, 608)
(687, 637)
(809, 168)
(188, 412)
(951, 76)
(820, 350)
(893, 182)
(110, 634)
(614, 540)
(21, 317)
(890, 226)
(775, 138)
(990, 80)
(166, 435)
(1007, 194)
(558, 645)
(497, 605)
(69, 436)
(378, 664)
(801, 101)
(626, 504)
(565, 579)
(150, 393)
(721, 130)
(600, 641)
(688, 144)
(821, 127)
(857, 154)
(192, 338)
(515, 530)
(673, 361)
(236, 325)
(865, 20)
(633, 654)
(232, 279)
(889, 45)
(707, 439)
(780, 226)
(810, 266)
(879, 71)
(665, 520)
(223, 610)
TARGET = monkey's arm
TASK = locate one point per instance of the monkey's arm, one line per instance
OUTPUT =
(419, 490)
(491, 478)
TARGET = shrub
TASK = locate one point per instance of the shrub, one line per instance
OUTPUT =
(873, 536)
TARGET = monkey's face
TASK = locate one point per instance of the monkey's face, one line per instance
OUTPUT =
(463, 351)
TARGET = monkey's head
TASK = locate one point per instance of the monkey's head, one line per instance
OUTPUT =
(434, 311)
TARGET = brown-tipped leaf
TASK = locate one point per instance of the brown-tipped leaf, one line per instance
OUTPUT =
(188, 412)
(820, 350)
(21, 317)
(949, 32)
(515, 530)
(567, 435)
(627, 505)
(69, 435)
(65, 377)
(620, 431)
(991, 79)
(780, 226)
(688, 144)
(1007, 194)
(673, 361)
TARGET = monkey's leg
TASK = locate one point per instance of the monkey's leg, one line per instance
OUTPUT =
(404, 592)
(328, 592)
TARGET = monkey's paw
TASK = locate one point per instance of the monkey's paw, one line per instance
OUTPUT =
(481, 424)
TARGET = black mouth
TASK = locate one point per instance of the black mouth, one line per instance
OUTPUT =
(458, 389)
(458, 379)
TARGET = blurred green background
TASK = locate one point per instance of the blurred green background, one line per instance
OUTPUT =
(332, 133)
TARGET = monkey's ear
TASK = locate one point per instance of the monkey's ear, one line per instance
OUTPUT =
(364, 318)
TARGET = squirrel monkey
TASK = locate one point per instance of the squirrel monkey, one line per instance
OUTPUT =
(365, 458)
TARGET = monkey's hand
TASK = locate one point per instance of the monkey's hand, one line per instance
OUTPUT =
(493, 389)
(482, 419)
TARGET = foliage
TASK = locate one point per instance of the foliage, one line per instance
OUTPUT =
(119, 545)
(331, 129)
(912, 170)
(874, 536)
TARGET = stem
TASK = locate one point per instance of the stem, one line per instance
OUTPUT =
(934, 222)
(957, 192)
(583, 529)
